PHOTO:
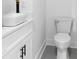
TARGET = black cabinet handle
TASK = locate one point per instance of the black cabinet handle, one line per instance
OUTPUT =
(23, 51)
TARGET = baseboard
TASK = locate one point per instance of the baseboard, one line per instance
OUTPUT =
(50, 42)
(41, 50)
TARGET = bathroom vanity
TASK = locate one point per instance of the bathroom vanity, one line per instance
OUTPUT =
(17, 41)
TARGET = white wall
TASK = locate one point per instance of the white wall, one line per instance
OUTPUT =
(9, 6)
(59, 8)
(38, 25)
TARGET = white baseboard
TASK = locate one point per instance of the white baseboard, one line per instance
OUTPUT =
(41, 50)
(50, 42)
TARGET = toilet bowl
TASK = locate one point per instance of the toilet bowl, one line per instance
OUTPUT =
(62, 41)
(62, 38)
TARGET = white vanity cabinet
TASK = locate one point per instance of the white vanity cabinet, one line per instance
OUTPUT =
(18, 44)
(16, 53)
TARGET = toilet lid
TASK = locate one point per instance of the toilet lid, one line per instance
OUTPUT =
(62, 37)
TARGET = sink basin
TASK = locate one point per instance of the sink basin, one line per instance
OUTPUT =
(13, 19)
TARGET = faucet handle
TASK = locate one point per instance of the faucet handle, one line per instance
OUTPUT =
(17, 1)
(17, 6)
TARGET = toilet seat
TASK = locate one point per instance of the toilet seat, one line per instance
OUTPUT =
(62, 37)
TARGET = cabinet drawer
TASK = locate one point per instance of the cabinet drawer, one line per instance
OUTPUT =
(15, 52)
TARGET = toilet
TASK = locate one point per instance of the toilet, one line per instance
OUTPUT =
(63, 36)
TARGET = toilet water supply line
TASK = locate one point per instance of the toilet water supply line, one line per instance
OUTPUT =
(17, 6)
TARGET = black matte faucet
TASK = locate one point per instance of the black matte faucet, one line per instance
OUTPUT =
(17, 6)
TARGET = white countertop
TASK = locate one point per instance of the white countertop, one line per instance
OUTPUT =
(8, 30)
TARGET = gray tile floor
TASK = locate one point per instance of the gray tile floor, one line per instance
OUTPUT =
(49, 53)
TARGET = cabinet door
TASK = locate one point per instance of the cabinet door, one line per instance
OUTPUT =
(28, 49)
(16, 52)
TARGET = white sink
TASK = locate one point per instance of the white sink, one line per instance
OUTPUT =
(13, 19)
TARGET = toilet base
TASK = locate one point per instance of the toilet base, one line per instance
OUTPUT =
(62, 54)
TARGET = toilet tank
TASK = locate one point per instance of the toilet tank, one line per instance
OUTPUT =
(64, 25)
